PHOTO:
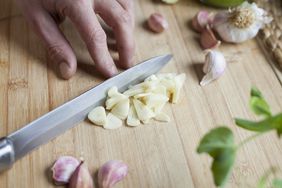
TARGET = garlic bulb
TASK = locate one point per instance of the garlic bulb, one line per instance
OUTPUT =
(240, 24)
(214, 66)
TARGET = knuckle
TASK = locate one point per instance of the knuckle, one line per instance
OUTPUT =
(55, 52)
(124, 18)
(97, 37)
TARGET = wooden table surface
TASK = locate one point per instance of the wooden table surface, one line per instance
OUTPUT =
(158, 154)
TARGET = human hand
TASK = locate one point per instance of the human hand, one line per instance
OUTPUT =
(45, 15)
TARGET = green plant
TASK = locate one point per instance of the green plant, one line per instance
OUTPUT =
(219, 142)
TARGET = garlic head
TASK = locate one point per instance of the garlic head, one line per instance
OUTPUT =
(240, 24)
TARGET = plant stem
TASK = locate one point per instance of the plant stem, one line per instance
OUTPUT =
(248, 139)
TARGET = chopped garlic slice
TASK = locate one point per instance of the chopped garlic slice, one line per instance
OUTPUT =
(132, 119)
(112, 101)
(162, 117)
(98, 116)
(121, 109)
(112, 122)
(140, 103)
(179, 81)
(143, 112)
(113, 91)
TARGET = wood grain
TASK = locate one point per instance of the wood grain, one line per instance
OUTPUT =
(158, 155)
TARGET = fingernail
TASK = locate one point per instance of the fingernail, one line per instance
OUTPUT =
(113, 71)
(65, 70)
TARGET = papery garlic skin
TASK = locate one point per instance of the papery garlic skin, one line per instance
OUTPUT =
(241, 23)
(111, 172)
(63, 169)
(214, 66)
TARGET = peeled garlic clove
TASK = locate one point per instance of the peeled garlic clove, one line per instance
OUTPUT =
(63, 168)
(208, 39)
(214, 67)
(162, 117)
(143, 112)
(111, 173)
(121, 109)
(112, 122)
(157, 23)
(81, 178)
(200, 20)
(132, 119)
(98, 116)
(179, 81)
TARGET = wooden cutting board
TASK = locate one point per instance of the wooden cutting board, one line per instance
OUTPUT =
(158, 154)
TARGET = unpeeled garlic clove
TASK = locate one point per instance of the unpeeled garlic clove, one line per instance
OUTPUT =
(63, 169)
(208, 39)
(81, 178)
(111, 172)
(157, 23)
(214, 66)
(201, 20)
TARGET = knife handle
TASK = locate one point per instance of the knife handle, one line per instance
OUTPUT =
(7, 153)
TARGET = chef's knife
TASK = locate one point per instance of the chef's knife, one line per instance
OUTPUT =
(54, 123)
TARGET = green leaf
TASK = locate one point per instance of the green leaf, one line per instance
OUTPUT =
(219, 144)
(259, 106)
(255, 92)
(264, 179)
(222, 166)
(277, 183)
(274, 122)
(257, 103)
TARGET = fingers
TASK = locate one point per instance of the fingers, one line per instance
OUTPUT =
(59, 50)
(121, 22)
(86, 22)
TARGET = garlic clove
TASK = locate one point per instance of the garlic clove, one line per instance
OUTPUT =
(200, 20)
(121, 109)
(63, 168)
(157, 23)
(112, 122)
(208, 39)
(214, 66)
(81, 178)
(162, 117)
(98, 116)
(132, 119)
(111, 173)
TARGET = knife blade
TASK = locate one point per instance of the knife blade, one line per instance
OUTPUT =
(54, 123)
